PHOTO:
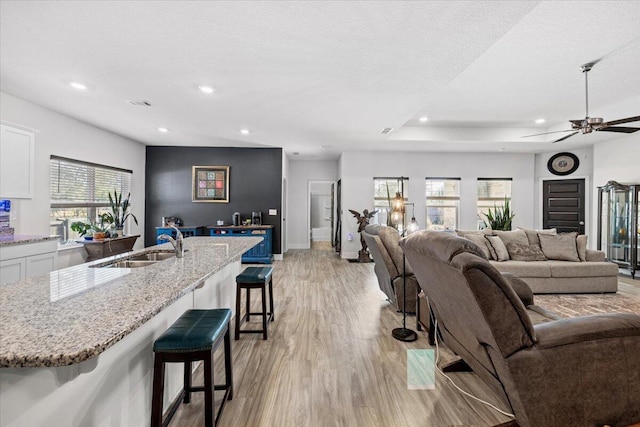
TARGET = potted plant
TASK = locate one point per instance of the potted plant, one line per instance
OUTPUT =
(101, 228)
(94, 230)
(500, 217)
(83, 229)
(120, 211)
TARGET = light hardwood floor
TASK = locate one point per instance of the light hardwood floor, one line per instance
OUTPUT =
(330, 359)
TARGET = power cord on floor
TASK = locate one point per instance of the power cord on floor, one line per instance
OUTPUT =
(435, 328)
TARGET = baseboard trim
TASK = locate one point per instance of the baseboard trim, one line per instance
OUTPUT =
(277, 257)
(349, 255)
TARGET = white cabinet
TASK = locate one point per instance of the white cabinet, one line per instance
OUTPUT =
(21, 261)
(40, 264)
(17, 154)
(12, 270)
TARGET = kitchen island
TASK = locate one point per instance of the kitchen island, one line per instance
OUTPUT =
(76, 344)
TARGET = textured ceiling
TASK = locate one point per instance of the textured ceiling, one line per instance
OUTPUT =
(319, 78)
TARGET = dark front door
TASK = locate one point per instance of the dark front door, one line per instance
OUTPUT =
(563, 205)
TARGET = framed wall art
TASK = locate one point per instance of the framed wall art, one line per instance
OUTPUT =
(210, 184)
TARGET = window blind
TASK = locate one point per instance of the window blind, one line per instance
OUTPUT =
(84, 184)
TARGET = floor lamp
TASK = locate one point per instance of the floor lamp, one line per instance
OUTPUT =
(397, 215)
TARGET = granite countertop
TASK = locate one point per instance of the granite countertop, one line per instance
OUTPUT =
(74, 314)
(18, 239)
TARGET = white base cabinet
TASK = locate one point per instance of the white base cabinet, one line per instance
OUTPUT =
(21, 261)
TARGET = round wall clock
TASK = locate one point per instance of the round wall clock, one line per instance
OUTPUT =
(563, 163)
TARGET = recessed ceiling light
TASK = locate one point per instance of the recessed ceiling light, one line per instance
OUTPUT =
(163, 130)
(206, 89)
(245, 131)
(424, 119)
(78, 86)
(539, 121)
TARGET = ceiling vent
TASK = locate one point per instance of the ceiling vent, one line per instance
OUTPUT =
(139, 103)
(386, 131)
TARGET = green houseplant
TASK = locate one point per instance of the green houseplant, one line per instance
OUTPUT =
(82, 228)
(98, 229)
(500, 217)
(120, 210)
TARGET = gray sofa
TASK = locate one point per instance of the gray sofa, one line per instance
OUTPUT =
(577, 372)
(565, 277)
(593, 275)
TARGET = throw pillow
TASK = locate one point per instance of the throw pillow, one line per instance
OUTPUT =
(485, 232)
(498, 246)
(520, 252)
(532, 235)
(516, 236)
(481, 242)
(560, 247)
(581, 245)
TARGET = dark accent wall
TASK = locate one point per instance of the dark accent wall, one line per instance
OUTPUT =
(255, 184)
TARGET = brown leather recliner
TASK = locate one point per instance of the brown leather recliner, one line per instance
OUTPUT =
(583, 371)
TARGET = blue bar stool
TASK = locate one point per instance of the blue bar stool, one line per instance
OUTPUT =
(254, 278)
(194, 336)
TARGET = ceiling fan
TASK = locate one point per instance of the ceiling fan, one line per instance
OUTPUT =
(591, 124)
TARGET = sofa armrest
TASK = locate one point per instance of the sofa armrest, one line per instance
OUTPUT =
(587, 328)
(595, 256)
(522, 289)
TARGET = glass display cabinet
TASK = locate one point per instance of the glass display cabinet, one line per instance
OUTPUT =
(618, 214)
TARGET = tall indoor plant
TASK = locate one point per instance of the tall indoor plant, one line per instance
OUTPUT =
(500, 217)
(120, 210)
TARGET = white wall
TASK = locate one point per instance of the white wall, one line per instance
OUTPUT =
(617, 160)
(63, 136)
(584, 171)
(299, 174)
(357, 170)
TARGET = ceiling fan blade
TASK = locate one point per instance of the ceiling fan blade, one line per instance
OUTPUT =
(619, 129)
(577, 122)
(565, 137)
(621, 121)
(547, 133)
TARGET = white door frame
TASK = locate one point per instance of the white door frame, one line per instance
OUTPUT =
(316, 181)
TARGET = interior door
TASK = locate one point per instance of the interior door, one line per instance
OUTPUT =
(563, 205)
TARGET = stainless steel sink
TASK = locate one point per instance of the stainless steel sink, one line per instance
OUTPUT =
(129, 264)
(140, 260)
(153, 256)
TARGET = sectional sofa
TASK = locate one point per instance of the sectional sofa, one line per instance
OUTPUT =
(548, 264)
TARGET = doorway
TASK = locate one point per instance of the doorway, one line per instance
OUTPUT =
(563, 205)
(321, 217)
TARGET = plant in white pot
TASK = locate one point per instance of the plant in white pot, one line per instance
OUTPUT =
(120, 211)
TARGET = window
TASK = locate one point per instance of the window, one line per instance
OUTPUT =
(491, 192)
(443, 202)
(79, 192)
(384, 190)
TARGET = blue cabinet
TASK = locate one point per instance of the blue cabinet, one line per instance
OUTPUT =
(262, 252)
(186, 232)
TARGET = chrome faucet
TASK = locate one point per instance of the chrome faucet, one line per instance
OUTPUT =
(178, 242)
